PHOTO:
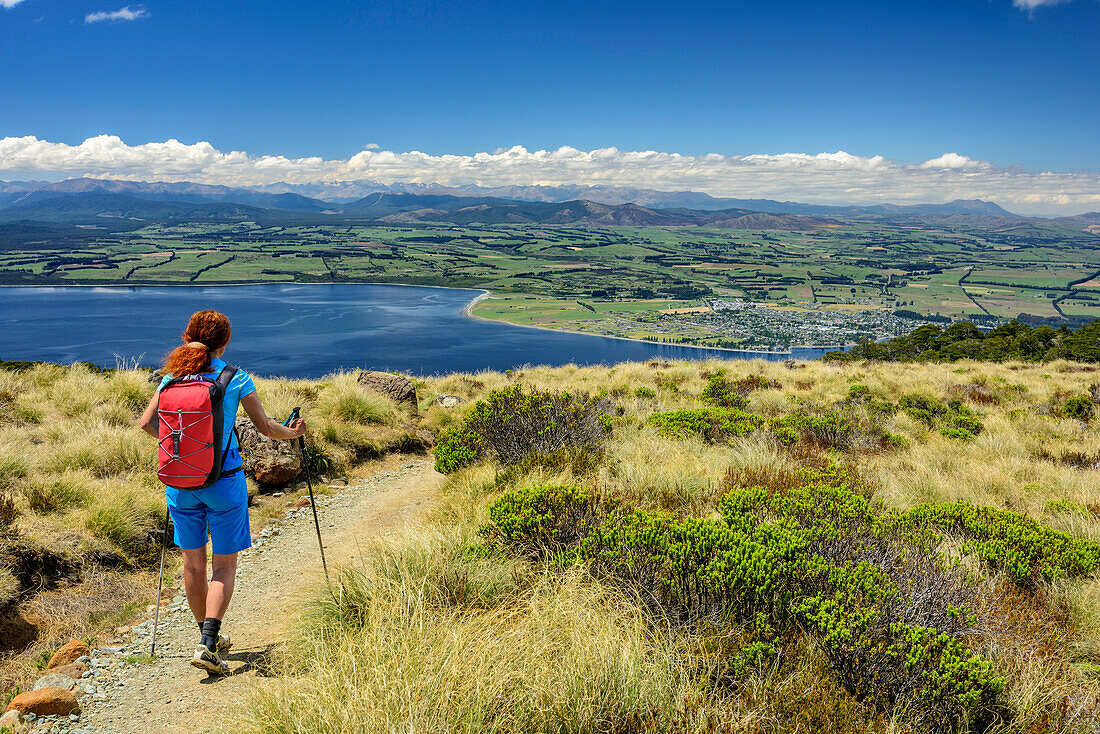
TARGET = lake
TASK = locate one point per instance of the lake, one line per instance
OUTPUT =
(306, 330)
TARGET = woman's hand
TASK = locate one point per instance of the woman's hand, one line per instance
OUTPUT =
(269, 426)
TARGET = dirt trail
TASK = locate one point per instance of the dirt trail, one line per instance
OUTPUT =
(171, 696)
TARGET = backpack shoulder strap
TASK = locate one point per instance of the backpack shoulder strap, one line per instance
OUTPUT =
(226, 376)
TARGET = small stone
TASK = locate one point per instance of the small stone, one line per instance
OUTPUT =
(10, 720)
(70, 652)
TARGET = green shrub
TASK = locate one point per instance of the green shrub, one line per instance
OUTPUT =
(544, 517)
(954, 419)
(813, 555)
(720, 392)
(510, 426)
(715, 425)
(1025, 549)
(858, 392)
(825, 429)
(645, 392)
(1078, 408)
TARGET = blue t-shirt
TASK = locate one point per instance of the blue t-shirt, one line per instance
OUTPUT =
(240, 386)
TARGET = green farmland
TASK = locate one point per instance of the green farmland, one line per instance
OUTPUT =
(694, 285)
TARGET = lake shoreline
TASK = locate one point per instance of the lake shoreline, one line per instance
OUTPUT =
(467, 311)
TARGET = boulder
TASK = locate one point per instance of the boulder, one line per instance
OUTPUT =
(68, 653)
(269, 462)
(397, 388)
(45, 702)
(10, 720)
(1094, 393)
(73, 670)
(448, 401)
(55, 680)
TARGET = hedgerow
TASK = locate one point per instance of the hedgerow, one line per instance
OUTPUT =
(510, 426)
(715, 425)
(816, 556)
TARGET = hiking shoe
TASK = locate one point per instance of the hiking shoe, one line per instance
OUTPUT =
(224, 643)
(209, 661)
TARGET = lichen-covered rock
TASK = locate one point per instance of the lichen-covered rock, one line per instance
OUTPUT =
(46, 702)
(68, 653)
(397, 388)
(448, 401)
(55, 680)
(269, 462)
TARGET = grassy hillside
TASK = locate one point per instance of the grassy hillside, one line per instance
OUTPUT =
(728, 547)
(80, 505)
(743, 546)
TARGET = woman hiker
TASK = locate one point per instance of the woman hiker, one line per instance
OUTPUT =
(222, 508)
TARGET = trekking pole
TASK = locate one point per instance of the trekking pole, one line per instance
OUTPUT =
(160, 584)
(309, 484)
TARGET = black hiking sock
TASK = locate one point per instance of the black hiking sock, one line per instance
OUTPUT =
(210, 629)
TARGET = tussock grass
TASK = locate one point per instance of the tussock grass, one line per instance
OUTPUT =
(652, 472)
(419, 642)
(46, 493)
(341, 399)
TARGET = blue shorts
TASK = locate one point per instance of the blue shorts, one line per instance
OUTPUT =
(220, 510)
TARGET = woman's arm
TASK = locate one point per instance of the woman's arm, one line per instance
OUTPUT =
(148, 421)
(268, 426)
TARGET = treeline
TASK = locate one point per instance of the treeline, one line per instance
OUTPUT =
(964, 340)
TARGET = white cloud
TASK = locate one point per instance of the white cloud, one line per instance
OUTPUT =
(954, 161)
(10, 3)
(835, 178)
(124, 13)
(1032, 4)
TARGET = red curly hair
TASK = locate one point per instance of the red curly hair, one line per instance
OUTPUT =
(206, 332)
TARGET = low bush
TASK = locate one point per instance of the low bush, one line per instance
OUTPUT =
(815, 555)
(1026, 550)
(953, 419)
(831, 429)
(1079, 407)
(720, 392)
(511, 425)
(715, 425)
(645, 392)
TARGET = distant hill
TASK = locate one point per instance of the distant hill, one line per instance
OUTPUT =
(80, 199)
(186, 192)
(95, 208)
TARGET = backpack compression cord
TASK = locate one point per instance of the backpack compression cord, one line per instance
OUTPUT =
(190, 430)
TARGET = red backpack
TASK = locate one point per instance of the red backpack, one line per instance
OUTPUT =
(190, 418)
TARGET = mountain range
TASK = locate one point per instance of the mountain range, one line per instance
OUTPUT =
(117, 204)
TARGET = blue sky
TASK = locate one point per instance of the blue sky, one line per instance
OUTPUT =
(907, 80)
